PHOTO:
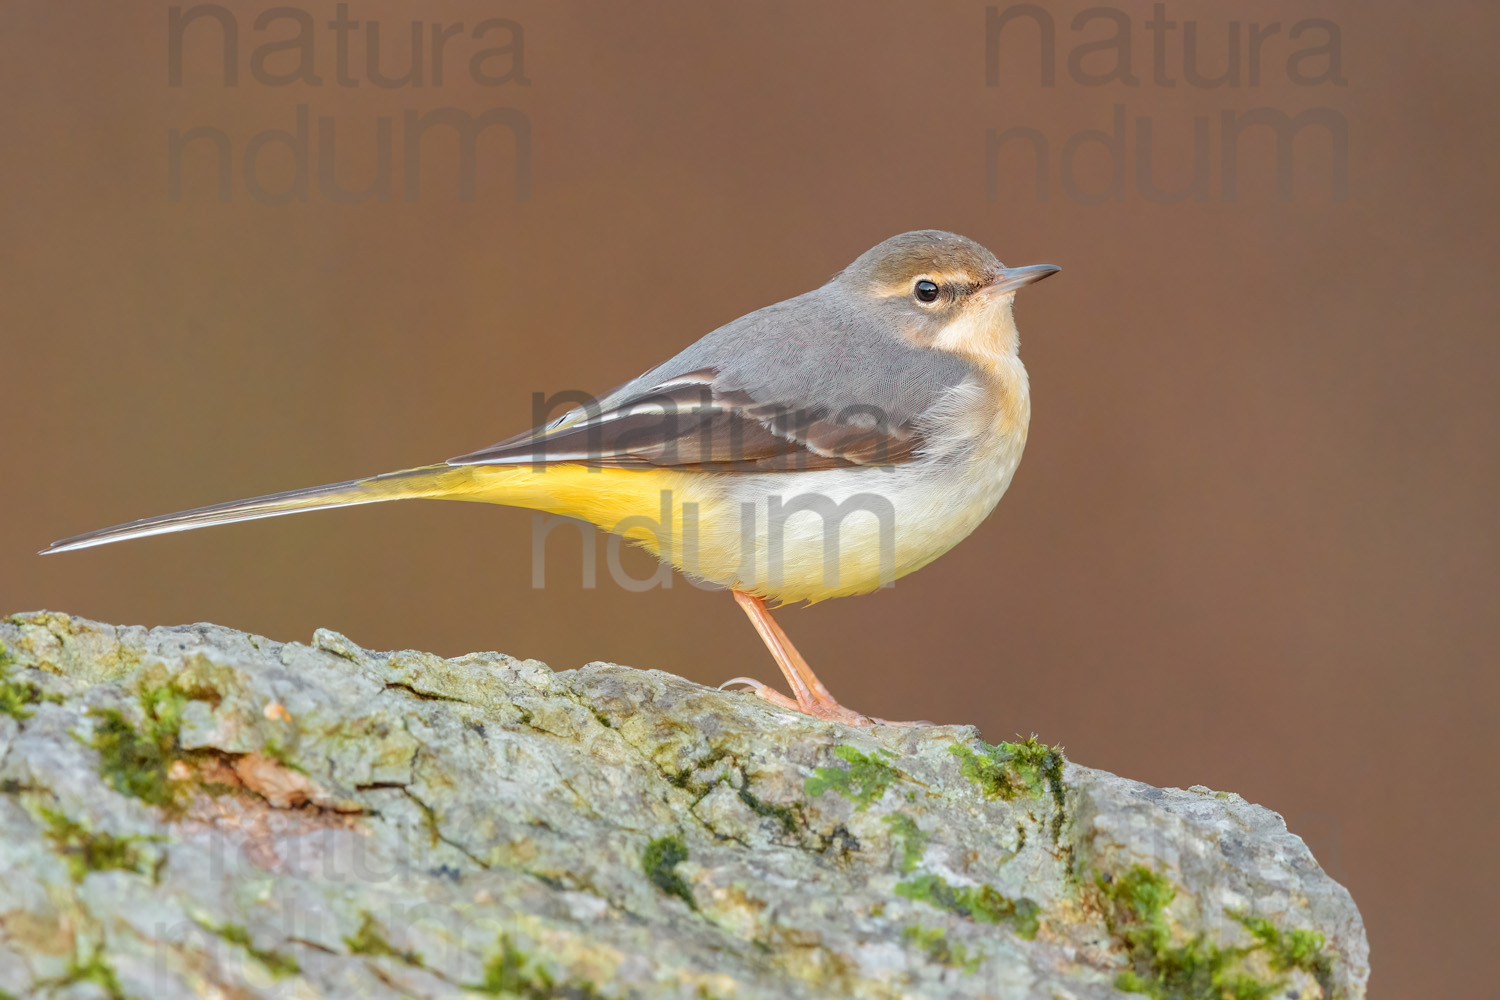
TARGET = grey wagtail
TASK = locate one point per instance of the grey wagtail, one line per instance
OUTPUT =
(819, 447)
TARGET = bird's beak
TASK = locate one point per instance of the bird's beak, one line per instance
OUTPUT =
(1008, 279)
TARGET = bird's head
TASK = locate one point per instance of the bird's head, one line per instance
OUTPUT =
(942, 290)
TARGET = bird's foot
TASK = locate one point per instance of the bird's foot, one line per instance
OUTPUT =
(817, 708)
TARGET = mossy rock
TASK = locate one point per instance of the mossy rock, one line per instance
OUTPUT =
(187, 811)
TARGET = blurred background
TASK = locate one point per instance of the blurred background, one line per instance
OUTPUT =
(1252, 544)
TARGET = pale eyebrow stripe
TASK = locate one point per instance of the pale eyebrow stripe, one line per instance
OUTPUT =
(941, 277)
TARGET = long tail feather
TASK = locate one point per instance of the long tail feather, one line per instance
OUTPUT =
(430, 481)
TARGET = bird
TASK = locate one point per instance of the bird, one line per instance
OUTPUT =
(820, 447)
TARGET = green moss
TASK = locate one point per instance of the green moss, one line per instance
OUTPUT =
(132, 764)
(934, 942)
(87, 852)
(1008, 770)
(369, 940)
(16, 695)
(983, 903)
(785, 815)
(135, 761)
(163, 707)
(507, 974)
(1135, 913)
(683, 777)
(510, 973)
(1293, 949)
(276, 963)
(1134, 908)
(913, 840)
(660, 860)
(97, 971)
(863, 782)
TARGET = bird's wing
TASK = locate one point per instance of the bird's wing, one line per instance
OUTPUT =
(815, 382)
(694, 422)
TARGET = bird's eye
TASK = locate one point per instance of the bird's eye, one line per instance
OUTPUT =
(927, 291)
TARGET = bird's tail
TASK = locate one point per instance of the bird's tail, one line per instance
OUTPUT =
(428, 481)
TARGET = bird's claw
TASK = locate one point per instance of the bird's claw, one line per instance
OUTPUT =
(832, 712)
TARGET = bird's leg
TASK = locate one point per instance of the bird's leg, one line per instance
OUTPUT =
(812, 697)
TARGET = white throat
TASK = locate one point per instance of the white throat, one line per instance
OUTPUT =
(988, 332)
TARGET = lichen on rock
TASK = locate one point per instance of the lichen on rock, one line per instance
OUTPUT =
(190, 811)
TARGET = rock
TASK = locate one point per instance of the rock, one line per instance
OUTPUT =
(196, 811)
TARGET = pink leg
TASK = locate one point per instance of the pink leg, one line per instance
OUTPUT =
(812, 697)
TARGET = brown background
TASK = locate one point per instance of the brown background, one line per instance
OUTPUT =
(1253, 541)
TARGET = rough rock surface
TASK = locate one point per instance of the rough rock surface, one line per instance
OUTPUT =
(200, 812)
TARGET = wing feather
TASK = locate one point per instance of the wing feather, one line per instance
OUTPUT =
(694, 423)
(819, 381)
